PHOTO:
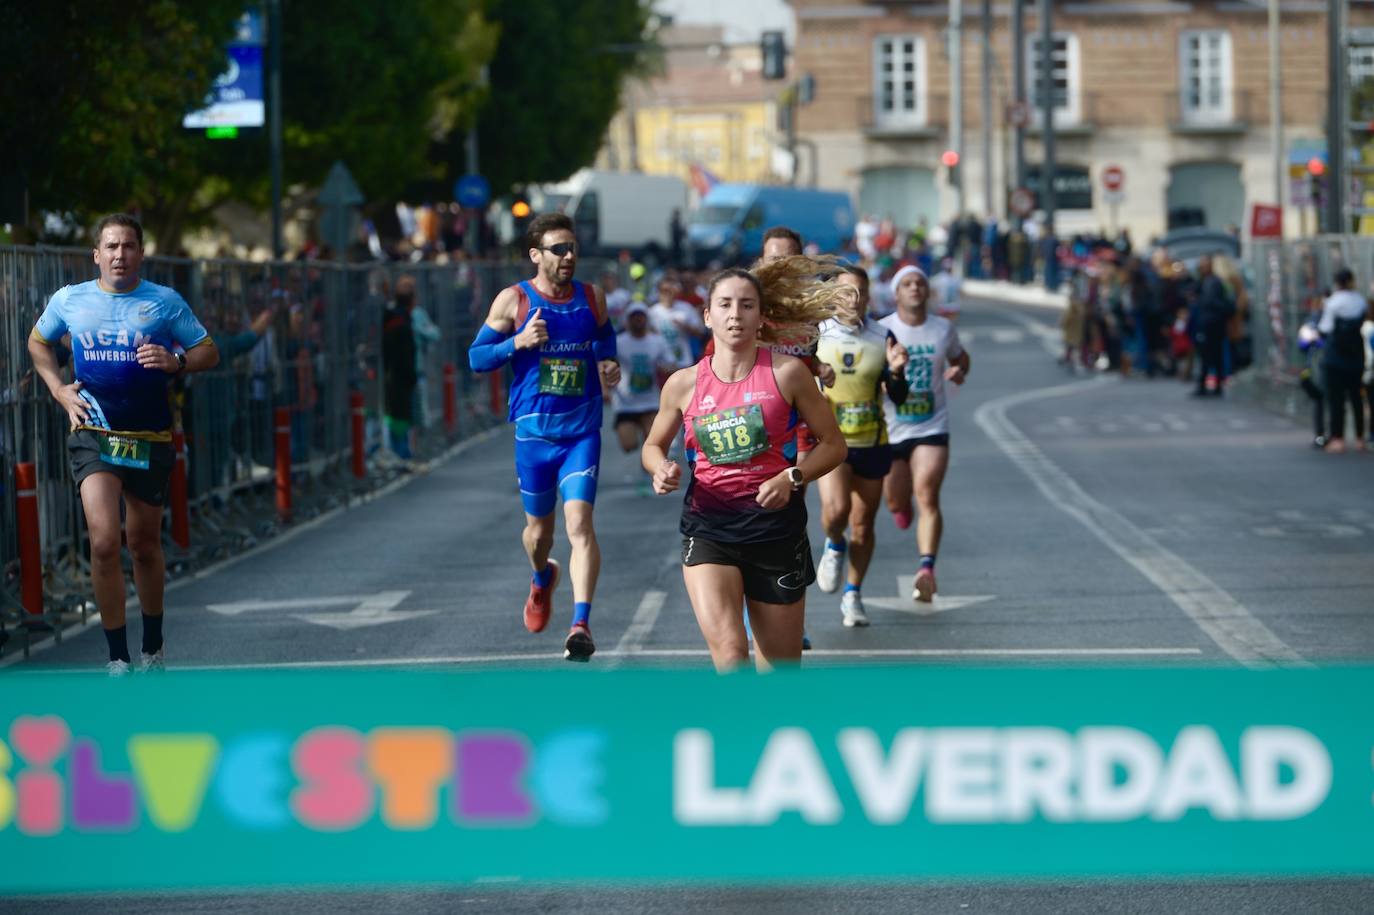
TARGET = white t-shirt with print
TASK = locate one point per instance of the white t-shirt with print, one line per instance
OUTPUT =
(641, 359)
(665, 319)
(930, 347)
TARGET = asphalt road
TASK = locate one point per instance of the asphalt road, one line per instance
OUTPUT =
(1087, 520)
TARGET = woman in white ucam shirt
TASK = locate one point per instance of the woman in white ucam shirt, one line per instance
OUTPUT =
(919, 428)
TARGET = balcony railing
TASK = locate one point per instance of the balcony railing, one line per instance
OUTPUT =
(1235, 116)
(929, 121)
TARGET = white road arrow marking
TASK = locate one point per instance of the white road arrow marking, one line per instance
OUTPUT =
(368, 609)
(941, 604)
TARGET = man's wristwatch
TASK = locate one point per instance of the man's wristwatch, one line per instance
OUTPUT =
(794, 476)
(181, 362)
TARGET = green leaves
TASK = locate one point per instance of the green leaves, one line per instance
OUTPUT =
(555, 84)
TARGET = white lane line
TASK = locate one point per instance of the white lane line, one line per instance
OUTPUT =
(645, 616)
(1050, 336)
(284, 537)
(551, 656)
(1221, 616)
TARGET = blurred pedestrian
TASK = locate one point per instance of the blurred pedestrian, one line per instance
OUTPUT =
(398, 367)
(1213, 310)
(1343, 363)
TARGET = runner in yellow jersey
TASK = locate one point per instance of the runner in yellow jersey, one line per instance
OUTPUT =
(869, 365)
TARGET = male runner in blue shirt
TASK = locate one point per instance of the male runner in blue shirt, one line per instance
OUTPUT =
(556, 333)
(123, 333)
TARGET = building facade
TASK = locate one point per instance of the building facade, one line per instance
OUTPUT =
(1173, 94)
(709, 107)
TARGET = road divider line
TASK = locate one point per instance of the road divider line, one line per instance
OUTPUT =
(1228, 623)
(646, 615)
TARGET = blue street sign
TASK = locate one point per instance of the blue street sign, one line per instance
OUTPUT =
(472, 191)
(236, 100)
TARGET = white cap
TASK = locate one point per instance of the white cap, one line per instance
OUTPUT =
(903, 273)
(636, 308)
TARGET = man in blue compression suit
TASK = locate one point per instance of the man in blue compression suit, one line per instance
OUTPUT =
(556, 334)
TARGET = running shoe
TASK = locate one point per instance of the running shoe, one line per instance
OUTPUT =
(831, 568)
(579, 646)
(852, 610)
(806, 641)
(539, 604)
(117, 668)
(904, 518)
(152, 663)
(923, 589)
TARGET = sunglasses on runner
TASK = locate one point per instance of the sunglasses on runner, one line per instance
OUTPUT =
(562, 249)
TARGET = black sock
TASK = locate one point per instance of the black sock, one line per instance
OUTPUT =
(928, 560)
(118, 640)
(152, 633)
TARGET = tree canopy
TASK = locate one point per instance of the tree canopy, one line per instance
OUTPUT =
(554, 86)
(91, 117)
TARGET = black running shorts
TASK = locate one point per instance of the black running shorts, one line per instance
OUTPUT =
(633, 416)
(870, 463)
(902, 451)
(775, 571)
(148, 486)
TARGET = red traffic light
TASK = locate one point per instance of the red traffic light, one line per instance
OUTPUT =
(950, 158)
(1316, 167)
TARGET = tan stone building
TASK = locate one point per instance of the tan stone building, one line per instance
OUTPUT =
(709, 106)
(1176, 94)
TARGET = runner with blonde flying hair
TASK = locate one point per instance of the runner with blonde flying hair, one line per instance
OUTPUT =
(744, 514)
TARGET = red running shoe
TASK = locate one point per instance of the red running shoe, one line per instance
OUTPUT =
(923, 589)
(579, 646)
(539, 604)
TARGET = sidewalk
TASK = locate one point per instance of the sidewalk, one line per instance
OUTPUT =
(1001, 291)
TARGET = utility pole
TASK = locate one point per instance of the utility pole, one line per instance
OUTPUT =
(472, 233)
(274, 121)
(1018, 81)
(988, 204)
(1047, 168)
(956, 97)
(1276, 107)
(1337, 121)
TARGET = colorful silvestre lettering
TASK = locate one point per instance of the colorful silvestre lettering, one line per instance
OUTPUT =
(329, 779)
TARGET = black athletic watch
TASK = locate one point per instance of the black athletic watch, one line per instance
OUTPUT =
(794, 476)
(181, 362)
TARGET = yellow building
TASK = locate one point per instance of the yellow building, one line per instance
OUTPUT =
(710, 107)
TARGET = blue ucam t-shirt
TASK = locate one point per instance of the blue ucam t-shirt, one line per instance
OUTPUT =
(107, 329)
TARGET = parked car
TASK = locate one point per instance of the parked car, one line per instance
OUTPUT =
(1189, 245)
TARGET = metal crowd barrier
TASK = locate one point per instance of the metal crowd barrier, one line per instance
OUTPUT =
(322, 347)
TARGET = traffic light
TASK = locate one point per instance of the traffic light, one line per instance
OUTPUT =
(950, 160)
(773, 49)
(520, 209)
(1316, 180)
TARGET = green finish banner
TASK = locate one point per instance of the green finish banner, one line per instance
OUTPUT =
(370, 778)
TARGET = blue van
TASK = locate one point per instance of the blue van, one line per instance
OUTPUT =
(729, 225)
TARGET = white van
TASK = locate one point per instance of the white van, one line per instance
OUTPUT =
(617, 211)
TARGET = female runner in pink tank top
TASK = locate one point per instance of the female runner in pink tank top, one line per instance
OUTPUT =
(744, 514)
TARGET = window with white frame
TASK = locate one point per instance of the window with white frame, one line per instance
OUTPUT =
(899, 65)
(1205, 76)
(1064, 78)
